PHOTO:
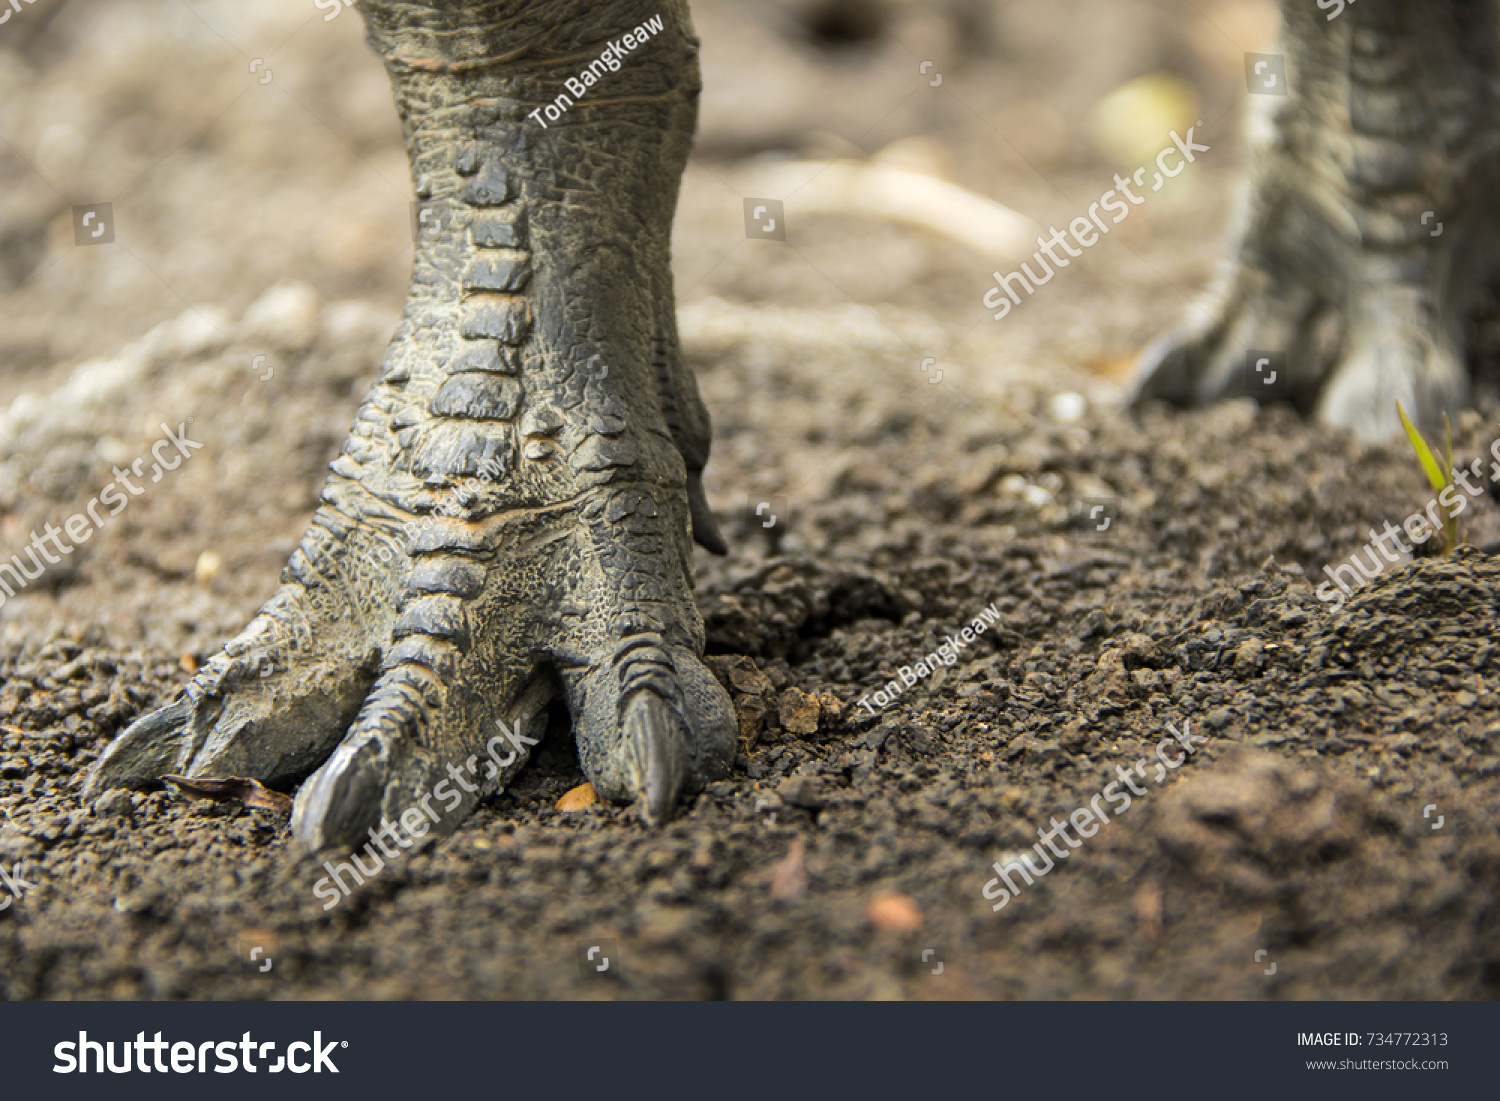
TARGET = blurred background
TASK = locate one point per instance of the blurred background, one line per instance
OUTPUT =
(260, 208)
(222, 186)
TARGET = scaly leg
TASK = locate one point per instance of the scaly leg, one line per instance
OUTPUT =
(1341, 270)
(512, 514)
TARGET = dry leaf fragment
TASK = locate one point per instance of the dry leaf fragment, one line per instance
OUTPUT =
(580, 798)
(746, 677)
(250, 793)
(1247, 925)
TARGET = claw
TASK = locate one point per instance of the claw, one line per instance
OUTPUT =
(1163, 372)
(654, 748)
(340, 803)
(378, 773)
(149, 748)
(705, 528)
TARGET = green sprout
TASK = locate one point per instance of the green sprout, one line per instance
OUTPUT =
(1439, 477)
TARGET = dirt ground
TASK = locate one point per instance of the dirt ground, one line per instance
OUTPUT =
(847, 855)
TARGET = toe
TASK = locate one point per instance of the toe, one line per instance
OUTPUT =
(705, 528)
(1400, 349)
(1207, 357)
(651, 723)
(274, 702)
(435, 736)
(255, 710)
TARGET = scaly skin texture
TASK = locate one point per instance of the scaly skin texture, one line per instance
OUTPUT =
(1392, 113)
(512, 513)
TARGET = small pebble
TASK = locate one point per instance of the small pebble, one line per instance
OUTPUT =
(208, 567)
(1068, 407)
(580, 798)
(896, 913)
(113, 804)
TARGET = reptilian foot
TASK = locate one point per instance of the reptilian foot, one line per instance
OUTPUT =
(511, 515)
(1369, 221)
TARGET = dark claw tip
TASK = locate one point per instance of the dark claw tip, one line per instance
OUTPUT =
(706, 531)
(148, 750)
(656, 754)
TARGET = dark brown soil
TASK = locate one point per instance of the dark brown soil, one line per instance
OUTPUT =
(1293, 833)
